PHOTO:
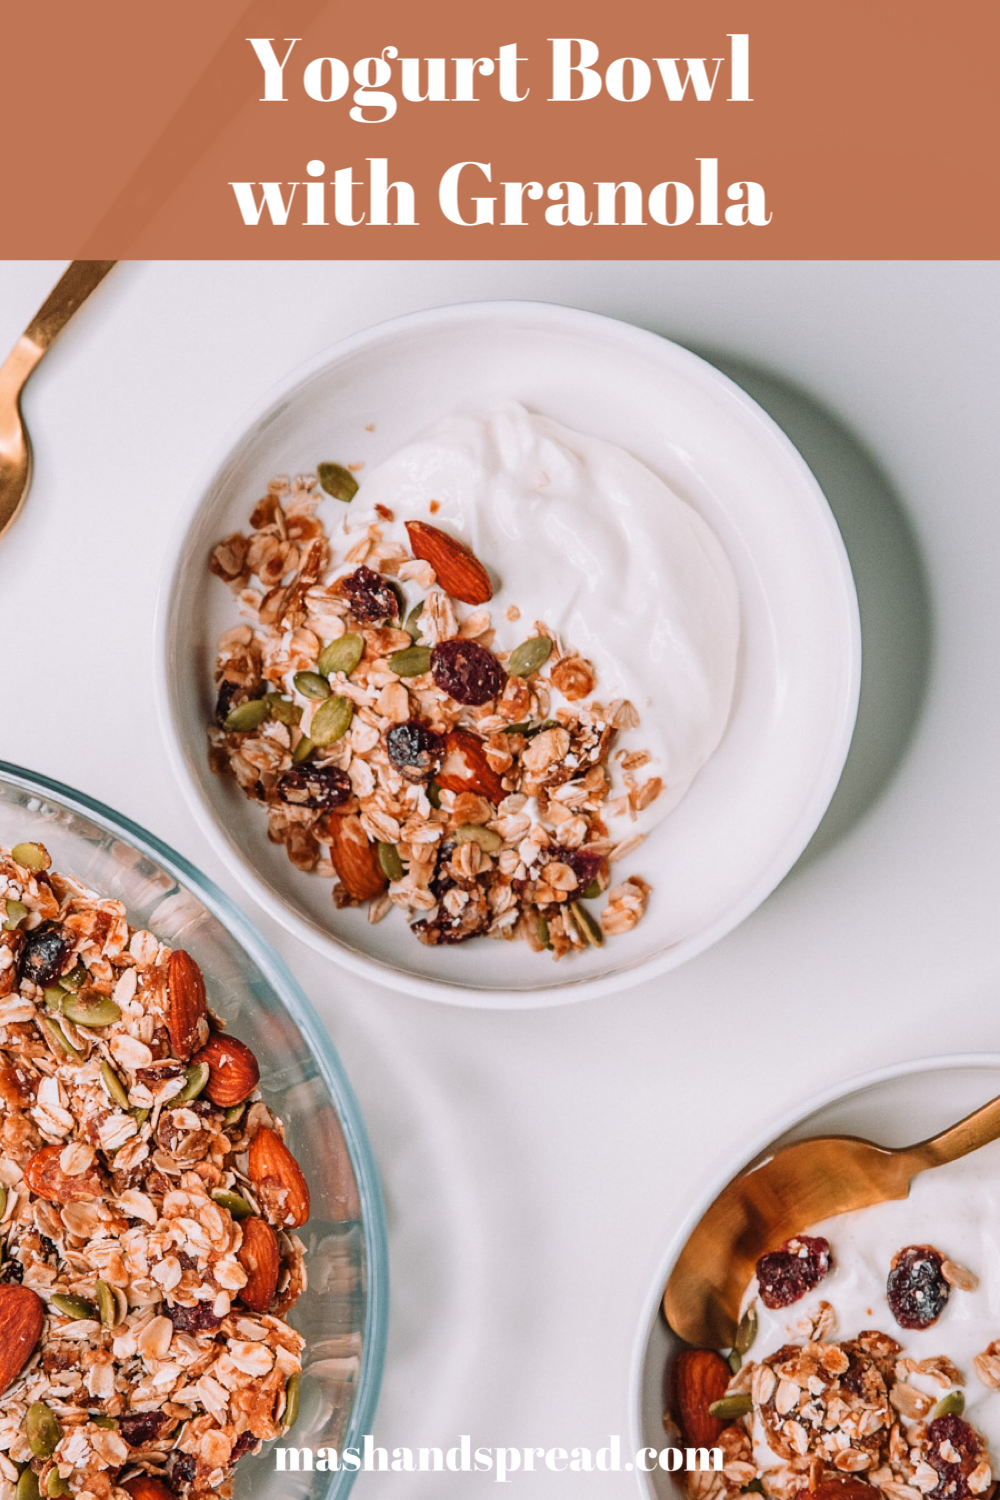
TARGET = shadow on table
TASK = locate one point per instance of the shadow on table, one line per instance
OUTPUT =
(893, 592)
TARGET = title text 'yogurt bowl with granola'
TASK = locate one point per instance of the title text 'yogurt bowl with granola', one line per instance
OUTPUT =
(777, 605)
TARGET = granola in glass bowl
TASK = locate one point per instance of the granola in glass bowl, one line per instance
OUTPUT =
(398, 752)
(149, 1209)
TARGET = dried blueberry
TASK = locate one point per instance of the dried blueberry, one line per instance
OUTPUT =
(371, 596)
(314, 786)
(916, 1288)
(183, 1469)
(466, 671)
(11, 1270)
(243, 1444)
(140, 1427)
(796, 1267)
(952, 1436)
(225, 700)
(45, 954)
(415, 749)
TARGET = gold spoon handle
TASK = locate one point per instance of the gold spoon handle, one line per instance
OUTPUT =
(72, 289)
(976, 1130)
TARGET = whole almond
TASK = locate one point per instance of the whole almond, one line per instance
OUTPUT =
(46, 1179)
(145, 1487)
(458, 569)
(466, 769)
(701, 1376)
(186, 1007)
(354, 857)
(258, 1255)
(233, 1073)
(22, 1313)
(277, 1177)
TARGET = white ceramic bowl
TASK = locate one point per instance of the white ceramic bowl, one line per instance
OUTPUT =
(895, 1107)
(751, 810)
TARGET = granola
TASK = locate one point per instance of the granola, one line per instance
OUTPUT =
(394, 750)
(158, 1264)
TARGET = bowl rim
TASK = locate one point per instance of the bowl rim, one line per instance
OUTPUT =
(565, 991)
(317, 1038)
(771, 1131)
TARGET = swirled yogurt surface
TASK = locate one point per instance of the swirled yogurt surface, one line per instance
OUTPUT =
(578, 533)
(953, 1209)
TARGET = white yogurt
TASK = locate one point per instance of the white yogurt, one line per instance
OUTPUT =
(579, 534)
(955, 1210)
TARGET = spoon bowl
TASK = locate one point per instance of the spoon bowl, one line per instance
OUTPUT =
(15, 449)
(782, 1194)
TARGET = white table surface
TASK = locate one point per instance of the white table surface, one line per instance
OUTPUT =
(535, 1163)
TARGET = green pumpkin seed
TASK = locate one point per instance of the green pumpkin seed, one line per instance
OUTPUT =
(249, 715)
(342, 655)
(232, 1114)
(412, 662)
(337, 481)
(283, 710)
(16, 913)
(529, 656)
(42, 1428)
(433, 794)
(57, 1038)
(140, 1116)
(951, 1405)
(291, 1402)
(54, 995)
(56, 1485)
(32, 857)
(198, 1075)
(746, 1332)
(90, 1010)
(592, 891)
(411, 623)
(331, 721)
(521, 728)
(730, 1407)
(107, 1304)
(27, 1485)
(303, 750)
(237, 1205)
(311, 685)
(390, 862)
(753, 1488)
(114, 1085)
(474, 833)
(110, 1423)
(74, 1307)
(75, 977)
(589, 930)
(734, 1360)
(542, 932)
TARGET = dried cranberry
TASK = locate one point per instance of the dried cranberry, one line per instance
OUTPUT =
(414, 749)
(448, 928)
(314, 786)
(916, 1288)
(183, 1469)
(585, 863)
(953, 1481)
(45, 954)
(372, 597)
(466, 671)
(140, 1427)
(11, 1270)
(243, 1444)
(197, 1319)
(796, 1267)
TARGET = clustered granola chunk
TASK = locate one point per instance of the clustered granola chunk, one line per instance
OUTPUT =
(147, 1211)
(395, 751)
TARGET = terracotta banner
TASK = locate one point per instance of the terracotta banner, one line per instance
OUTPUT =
(705, 129)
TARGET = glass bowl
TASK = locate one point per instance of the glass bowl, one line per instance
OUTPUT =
(343, 1316)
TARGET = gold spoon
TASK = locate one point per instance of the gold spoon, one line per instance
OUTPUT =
(781, 1196)
(70, 291)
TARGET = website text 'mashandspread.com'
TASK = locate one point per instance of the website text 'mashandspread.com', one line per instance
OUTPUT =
(504, 1463)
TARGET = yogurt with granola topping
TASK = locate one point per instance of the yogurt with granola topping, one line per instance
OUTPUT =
(605, 552)
(951, 1209)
